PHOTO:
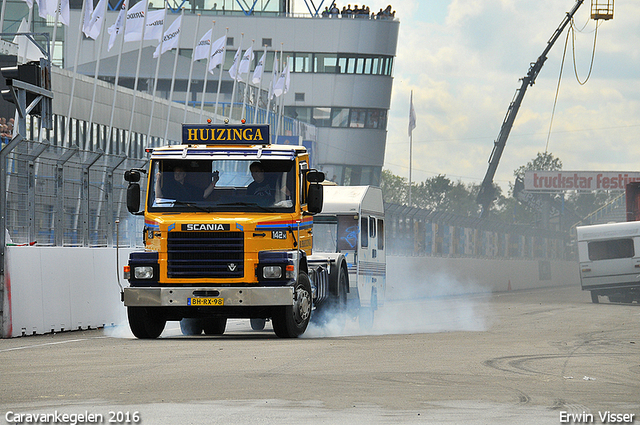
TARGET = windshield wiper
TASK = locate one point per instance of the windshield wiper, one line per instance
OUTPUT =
(247, 204)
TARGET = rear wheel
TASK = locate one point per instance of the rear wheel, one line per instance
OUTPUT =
(214, 325)
(291, 321)
(190, 326)
(146, 322)
(334, 310)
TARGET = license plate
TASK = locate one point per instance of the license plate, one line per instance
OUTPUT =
(278, 234)
(205, 301)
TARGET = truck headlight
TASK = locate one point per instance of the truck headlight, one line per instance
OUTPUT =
(143, 272)
(272, 272)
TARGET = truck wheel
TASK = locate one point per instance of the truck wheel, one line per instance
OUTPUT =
(190, 326)
(145, 322)
(258, 324)
(594, 297)
(214, 325)
(291, 321)
(334, 309)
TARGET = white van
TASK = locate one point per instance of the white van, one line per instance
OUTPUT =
(352, 223)
(609, 256)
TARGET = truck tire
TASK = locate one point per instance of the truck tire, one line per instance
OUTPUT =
(145, 322)
(190, 326)
(594, 297)
(291, 321)
(214, 325)
(258, 324)
(334, 309)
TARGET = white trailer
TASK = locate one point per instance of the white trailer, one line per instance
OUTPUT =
(609, 256)
(352, 223)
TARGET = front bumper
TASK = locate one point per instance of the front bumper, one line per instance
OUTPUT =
(233, 296)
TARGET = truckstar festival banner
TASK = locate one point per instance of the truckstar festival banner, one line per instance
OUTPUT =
(558, 181)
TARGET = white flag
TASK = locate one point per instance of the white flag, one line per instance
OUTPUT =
(116, 28)
(245, 63)
(170, 39)
(26, 48)
(217, 51)
(86, 20)
(29, 3)
(155, 22)
(134, 22)
(412, 115)
(202, 48)
(282, 85)
(97, 18)
(233, 71)
(47, 7)
(64, 12)
(274, 76)
(257, 73)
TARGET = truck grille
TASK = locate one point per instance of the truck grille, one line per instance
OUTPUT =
(205, 255)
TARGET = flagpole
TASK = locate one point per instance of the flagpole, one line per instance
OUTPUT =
(195, 43)
(224, 56)
(274, 72)
(55, 29)
(255, 115)
(73, 78)
(4, 6)
(278, 104)
(235, 79)
(117, 79)
(95, 72)
(411, 126)
(155, 78)
(206, 74)
(173, 81)
(246, 86)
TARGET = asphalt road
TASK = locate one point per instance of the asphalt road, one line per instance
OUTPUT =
(526, 357)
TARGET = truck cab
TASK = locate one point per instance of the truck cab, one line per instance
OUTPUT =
(228, 230)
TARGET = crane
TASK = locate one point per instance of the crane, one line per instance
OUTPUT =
(487, 190)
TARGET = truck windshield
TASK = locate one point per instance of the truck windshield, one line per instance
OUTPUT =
(222, 185)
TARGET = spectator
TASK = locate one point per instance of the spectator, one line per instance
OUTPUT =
(334, 11)
(325, 12)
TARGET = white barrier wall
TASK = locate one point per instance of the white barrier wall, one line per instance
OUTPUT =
(50, 289)
(411, 277)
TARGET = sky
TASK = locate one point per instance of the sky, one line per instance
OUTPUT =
(464, 59)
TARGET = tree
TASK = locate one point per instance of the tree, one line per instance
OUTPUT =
(394, 188)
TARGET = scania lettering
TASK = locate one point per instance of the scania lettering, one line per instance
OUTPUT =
(228, 234)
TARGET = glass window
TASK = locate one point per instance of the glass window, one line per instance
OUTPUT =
(340, 117)
(325, 234)
(367, 65)
(380, 234)
(302, 62)
(325, 63)
(358, 117)
(351, 65)
(359, 65)
(322, 117)
(364, 232)
(372, 227)
(342, 65)
(347, 233)
(609, 250)
(375, 66)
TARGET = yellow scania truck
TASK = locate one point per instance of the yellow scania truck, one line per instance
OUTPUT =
(228, 234)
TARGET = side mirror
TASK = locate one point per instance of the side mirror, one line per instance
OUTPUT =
(315, 176)
(133, 197)
(315, 197)
(132, 176)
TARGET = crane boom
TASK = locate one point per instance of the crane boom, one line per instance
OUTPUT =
(487, 191)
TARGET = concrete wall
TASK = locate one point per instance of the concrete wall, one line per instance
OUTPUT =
(411, 277)
(50, 289)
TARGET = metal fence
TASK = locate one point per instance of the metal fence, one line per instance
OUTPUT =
(60, 196)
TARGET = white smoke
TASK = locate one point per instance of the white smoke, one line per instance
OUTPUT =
(437, 303)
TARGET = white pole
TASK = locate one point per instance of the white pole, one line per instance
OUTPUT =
(135, 80)
(206, 74)
(246, 86)
(95, 77)
(224, 56)
(272, 84)
(282, 94)
(173, 81)
(4, 6)
(255, 115)
(55, 29)
(155, 78)
(75, 72)
(235, 80)
(195, 42)
(115, 84)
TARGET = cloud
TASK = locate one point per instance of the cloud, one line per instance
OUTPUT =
(465, 68)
